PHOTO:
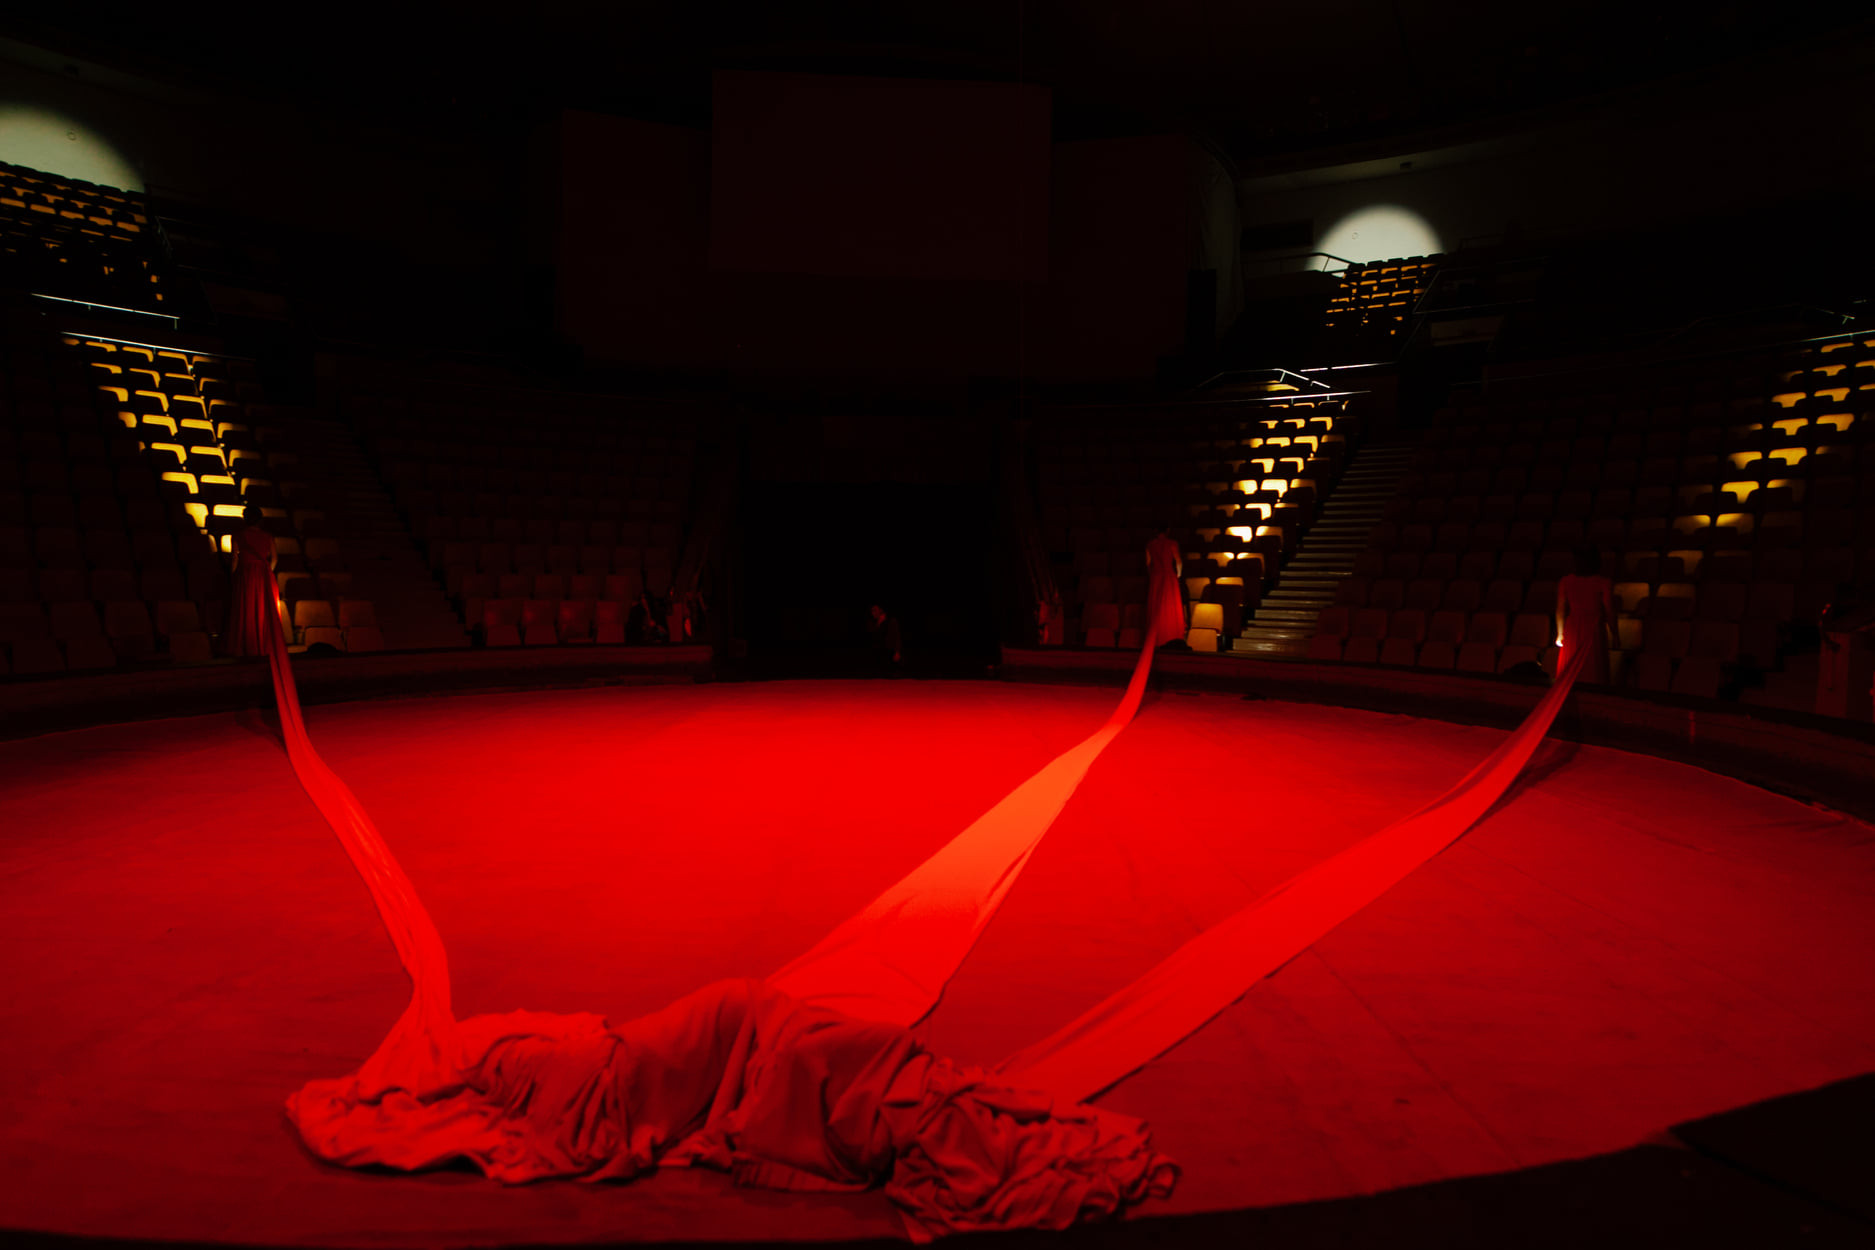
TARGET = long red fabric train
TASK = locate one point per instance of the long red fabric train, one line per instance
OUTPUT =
(773, 1081)
(1176, 998)
(890, 962)
(810, 1080)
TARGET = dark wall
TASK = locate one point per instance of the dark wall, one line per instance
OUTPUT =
(816, 556)
(371, 178)
(1731, 143)
(635, 287)
(879, 177)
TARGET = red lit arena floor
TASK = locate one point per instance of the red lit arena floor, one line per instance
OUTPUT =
(1622, 945)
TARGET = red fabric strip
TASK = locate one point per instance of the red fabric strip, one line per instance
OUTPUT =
(1178, 997)
(891, 961)
(422, 1052)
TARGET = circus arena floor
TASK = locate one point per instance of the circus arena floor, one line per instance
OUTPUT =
(1623, 945)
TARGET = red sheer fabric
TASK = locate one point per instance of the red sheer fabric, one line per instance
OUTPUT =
(890, 962)
(1587, 608)
(422, 1053)
(811, 1080)
(1165, 599)
(254, 594)
(1219, 966)
(742, 1076)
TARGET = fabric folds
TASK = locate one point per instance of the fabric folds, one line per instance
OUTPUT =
(779, 1094)
(811, 1080)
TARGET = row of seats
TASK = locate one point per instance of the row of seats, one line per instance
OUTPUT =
(546, 531)
(1410, 627)
(548, 622)
(1377, 298)
(527, 469)
(68, 237)
(74, 634)
(620, 587)
(154, 584)
(1682, 657)
(459, 560)
(574, 504)
(347, 625)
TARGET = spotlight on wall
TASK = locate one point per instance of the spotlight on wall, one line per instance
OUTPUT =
(1380, 232)
(41, 139)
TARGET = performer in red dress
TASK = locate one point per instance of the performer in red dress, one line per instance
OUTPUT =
(1165, 597)
(254, 590)
(1585, 616)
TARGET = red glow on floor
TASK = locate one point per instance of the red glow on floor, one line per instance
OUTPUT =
(1626, 944)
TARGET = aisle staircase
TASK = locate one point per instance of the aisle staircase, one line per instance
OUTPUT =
(378, 549)
(1284, 620)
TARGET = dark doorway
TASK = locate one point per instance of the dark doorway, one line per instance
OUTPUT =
(817, 556)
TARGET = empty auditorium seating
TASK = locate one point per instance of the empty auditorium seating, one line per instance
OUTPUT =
(539, 497)
(1729, 496)
(94, 525)
(1373, 303)
(79, 240)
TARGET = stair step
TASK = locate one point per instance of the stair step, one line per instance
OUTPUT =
(1296, 618)
(1277, 637)
(1269, 650)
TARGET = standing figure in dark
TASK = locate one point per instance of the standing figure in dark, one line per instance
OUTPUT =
(1585, 616)
(255, 595)
(886, 651)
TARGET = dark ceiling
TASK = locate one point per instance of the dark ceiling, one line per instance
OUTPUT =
(1254, 79)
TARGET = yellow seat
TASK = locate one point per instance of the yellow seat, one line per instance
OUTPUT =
(1202, 639)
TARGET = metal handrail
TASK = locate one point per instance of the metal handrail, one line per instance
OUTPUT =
(1277, 260)
(173, 319)
(1204, 403)
(1277, 370)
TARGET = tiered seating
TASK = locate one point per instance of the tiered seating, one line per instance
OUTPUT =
(1237, 483)
(97, 567)
(1727, 507)
(550, 523)
(76, 239)
(1375, 301)
(190, 445)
